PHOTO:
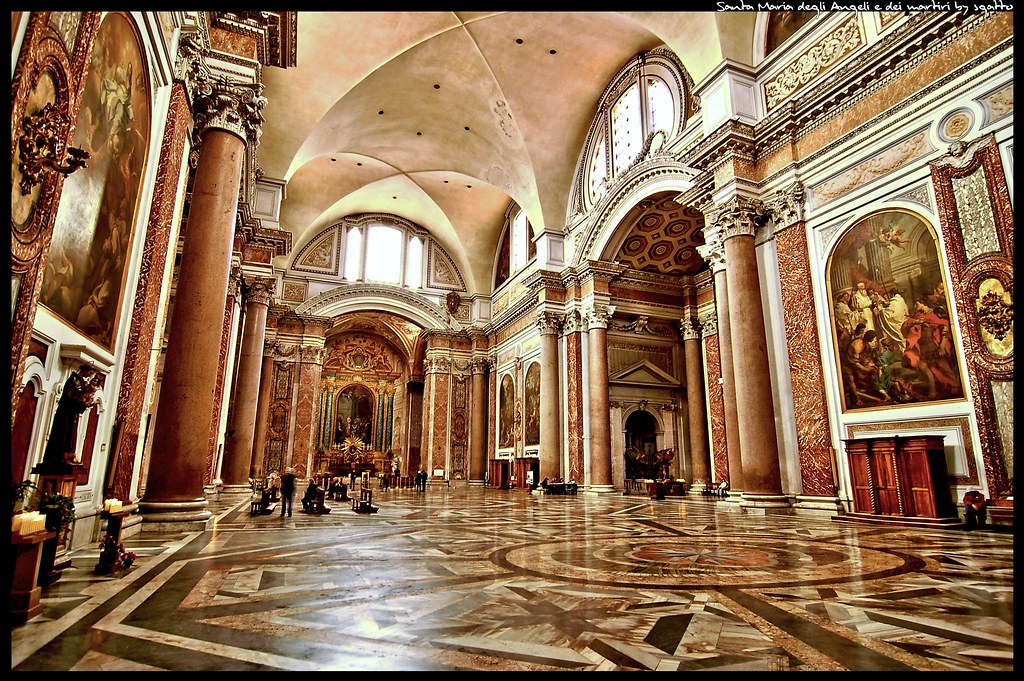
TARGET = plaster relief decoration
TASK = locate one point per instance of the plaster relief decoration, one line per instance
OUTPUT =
(294, 292)
(95, 222)
(894, 343)
(829, 51)
(999, 104)
(442, 273)
(320, 254)
(896, 156)
(995, 317)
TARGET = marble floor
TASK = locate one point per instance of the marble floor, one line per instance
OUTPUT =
(481, 579)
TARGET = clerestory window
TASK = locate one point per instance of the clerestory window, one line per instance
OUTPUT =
(379, 252)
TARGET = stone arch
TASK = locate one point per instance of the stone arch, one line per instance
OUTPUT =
(355, 297)
(649, 177)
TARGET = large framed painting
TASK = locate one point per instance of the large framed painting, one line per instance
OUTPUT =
(894, 339)
(531, 390)
(506, 413)
(84, 277)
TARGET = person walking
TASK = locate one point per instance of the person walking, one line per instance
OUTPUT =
(287, 491)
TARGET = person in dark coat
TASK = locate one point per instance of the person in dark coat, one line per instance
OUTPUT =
(287, 491)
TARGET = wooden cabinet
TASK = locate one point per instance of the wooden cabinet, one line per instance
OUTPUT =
(900, 476)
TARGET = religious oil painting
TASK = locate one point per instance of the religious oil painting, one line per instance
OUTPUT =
(895, 342)
(782, 26)
(506, 413)
(532, 404)
(94, 225)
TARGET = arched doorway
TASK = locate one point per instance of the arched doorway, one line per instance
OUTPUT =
(641, 447)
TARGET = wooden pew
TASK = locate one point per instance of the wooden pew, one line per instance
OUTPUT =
(317, 505)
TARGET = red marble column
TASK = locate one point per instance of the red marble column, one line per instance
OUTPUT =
(714, 252)
(238, 454)
(762, 475)
(174, 493)
(700, 460)
(600, 407)
(550, 414)
(572, 328)
(478, 425)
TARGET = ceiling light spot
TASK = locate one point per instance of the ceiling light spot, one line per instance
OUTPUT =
(519, 41)
(334, 160)
(419, 133)
(446, 181)
(359, 163)
(469, 186)
(436, 86)
(552, 51)
(394, 197)
(380, 113)
(467, 127)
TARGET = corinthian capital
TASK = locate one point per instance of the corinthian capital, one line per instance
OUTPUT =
(598, 316)
(548, 323)
(739, 216)
(690, 329)
(713, 249)
(259, 290)
(190, 63)
(708, 323)
(227, 105)
(787, 206)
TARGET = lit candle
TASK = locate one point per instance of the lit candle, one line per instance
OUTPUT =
(115, 507)
(16, 523)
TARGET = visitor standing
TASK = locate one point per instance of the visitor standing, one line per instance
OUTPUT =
(287, 491)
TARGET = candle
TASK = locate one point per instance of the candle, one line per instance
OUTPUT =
(107, 504)
(115, 507)
(16, 523)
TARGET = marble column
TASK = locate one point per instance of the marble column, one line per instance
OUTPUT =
(225, 121)
(259, 444)
(550, 414)
(600, 408)
(478, 424)
(238, 456)
(762, 474)
(714, 252)
(700, 457)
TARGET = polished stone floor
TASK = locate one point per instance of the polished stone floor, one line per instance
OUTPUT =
(475, 579)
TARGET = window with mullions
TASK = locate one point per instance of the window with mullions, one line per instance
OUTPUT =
(517, 247)
(646, 96)
(376, 253)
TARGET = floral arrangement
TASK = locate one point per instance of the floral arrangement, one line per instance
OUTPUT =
(113, 556)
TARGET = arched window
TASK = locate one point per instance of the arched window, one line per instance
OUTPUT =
(517, 247)
(648, 95)
(376, 252)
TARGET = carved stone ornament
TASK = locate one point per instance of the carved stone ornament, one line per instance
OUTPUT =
(572, 323)
(259, 290)
(235, 107)
(787, 206)
(713, 249)
(38, 145)
(598, 316)
(309, 354)
(481, 365)
(995, 315)
(190, 63)
(548, 323)
(740, 216)
(452, 302)
(690, 329)
(708, 323)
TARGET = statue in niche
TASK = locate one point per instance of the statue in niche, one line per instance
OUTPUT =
(78, 396)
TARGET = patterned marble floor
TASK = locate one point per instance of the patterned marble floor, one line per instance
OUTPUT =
(475, 579)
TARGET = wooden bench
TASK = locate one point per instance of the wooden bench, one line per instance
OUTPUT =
(317, 505)
(262, 505)
(721, 491)
(364, 504)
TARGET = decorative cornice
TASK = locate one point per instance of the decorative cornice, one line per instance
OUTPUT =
(275, 33)
(732, 138)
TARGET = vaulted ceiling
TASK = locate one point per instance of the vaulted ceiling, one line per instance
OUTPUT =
(443, 118)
